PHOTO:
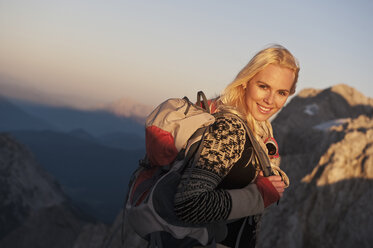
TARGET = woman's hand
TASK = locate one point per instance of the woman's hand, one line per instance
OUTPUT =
(277, 183)
(271, 188)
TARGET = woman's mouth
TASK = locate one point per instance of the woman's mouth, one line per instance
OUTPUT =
(263, 109)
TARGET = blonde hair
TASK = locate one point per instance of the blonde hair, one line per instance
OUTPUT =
(233, 96)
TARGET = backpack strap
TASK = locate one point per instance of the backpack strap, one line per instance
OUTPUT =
(189, 103)
(202, 102)
(240, 233)
(156, 240)
(192, 149)
(264, 162)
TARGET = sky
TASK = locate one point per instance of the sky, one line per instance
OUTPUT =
(96, 52)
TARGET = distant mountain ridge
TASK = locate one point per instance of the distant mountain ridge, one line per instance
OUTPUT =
(96, 122)
(129, 108)
(14, 118)
(11, 89)
(123, 107)
(90, 153)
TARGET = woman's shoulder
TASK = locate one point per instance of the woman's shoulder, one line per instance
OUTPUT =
(228, 129)
(223, 145)
(229, 120)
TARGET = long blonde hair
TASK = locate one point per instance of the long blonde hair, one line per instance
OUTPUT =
(233, 96)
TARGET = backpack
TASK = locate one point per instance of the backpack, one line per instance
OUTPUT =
(174, 132)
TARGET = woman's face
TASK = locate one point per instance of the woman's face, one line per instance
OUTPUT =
(268, 90)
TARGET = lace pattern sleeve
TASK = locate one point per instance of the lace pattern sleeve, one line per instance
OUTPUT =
(197, 199)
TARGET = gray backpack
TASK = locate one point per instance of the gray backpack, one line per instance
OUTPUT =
(175, 131)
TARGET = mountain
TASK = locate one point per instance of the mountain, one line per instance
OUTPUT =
(95, 176)
(11, 88)
(311, 108)
(123, 116)
(95, 122)
(14, 118)
(34, 211)
(25, 187)
(326, 145)
(103, 126)
(129, 108)
(90, 153)
(119, 124)
(123, 141)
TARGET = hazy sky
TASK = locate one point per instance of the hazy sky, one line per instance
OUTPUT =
(100, 51)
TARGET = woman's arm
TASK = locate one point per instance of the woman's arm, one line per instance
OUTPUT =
(197, 199)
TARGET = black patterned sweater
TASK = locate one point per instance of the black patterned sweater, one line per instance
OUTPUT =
(203, 193)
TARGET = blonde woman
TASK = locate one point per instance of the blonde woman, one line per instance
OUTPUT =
(226, 184)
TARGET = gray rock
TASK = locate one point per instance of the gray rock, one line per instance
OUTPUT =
(24, 186)
(326, 143)
(34, 211)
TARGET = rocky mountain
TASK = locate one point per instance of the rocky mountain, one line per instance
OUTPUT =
(34, 211)
(326, 147)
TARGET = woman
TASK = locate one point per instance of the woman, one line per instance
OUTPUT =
(226, 184)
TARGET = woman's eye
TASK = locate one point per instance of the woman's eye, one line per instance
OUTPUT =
(283, 93)
(262, 86)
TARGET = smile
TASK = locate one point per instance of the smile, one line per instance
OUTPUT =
(264, 110)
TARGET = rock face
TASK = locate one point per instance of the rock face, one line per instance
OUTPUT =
(24, 186)
(326, 147)
(34, 211)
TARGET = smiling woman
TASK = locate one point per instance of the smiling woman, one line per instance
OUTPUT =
(226, 184)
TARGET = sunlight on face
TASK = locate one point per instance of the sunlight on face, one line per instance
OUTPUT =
(267, 92)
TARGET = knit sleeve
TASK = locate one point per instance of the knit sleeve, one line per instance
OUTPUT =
(197, 199)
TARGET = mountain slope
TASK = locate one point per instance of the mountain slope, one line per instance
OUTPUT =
(33, 209)
(24, 186)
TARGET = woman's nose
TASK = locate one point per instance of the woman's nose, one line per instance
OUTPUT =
(269, 98)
